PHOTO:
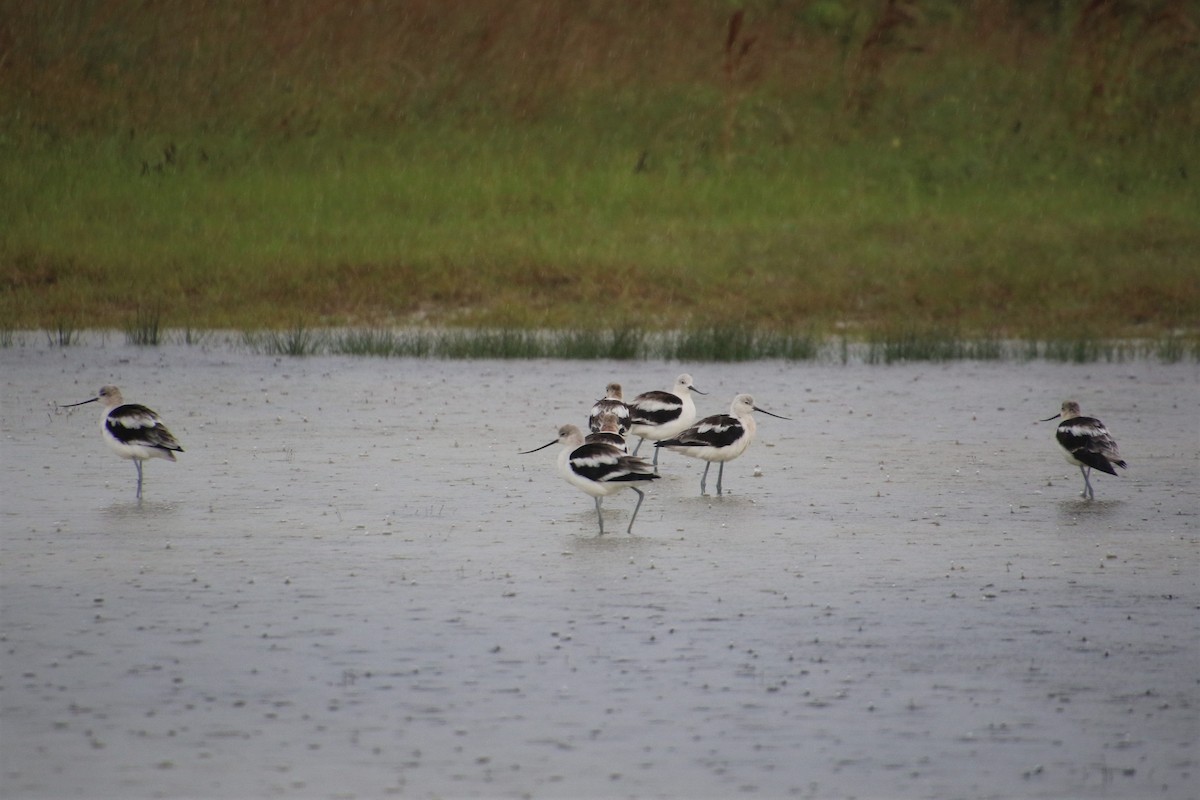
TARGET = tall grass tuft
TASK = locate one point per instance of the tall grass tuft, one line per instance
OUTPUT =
(64, 333)
(298, 340)
(366, 342)
(144, 330)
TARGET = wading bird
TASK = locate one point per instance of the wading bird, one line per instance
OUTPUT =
(720, 438)
(660, 415)
(613, 402)
(1086, 443)
(132, 431)
(599, 468)
(608, 431)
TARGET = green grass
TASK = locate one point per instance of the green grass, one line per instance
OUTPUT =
(514, 237)
(457, 167)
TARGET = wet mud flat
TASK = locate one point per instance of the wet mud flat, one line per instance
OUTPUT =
(351, 586)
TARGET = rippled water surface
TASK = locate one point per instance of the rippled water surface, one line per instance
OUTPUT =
(352, 586)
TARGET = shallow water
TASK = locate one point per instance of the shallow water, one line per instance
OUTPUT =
(352, 586)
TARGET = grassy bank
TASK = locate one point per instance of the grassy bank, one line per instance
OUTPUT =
(813, 169)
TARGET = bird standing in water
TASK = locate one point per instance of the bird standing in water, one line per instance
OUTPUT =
(608, 430)
(660, 415)
(132, 431)
(613, 402)
(1087, 444)
(599, 468)
(720, 438)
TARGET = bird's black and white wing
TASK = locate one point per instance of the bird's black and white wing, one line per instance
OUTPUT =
(1090, 443)
(606, 463)
(721, 430)
(134, 424)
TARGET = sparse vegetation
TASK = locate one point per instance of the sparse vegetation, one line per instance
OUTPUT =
(194, 337)
(64, 333)
(298, 340)
(145, 328)
(370, 342)
(731, 343)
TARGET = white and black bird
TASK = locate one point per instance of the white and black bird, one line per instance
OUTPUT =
(660, 415)
(613, 402)
(132, 431)
(1087, 444)
(720, 438)
(599, 468)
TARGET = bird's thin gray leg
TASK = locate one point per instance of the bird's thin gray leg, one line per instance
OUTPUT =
(1088, 491)
(641, 496)
(599, 516)
(639, 446)
(704, 477)
(137, 462)
(720, 474)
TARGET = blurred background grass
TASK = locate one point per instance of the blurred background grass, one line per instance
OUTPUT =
(1015, 168)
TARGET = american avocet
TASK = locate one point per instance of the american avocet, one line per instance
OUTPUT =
(598, 468)
(1087, 444)
(721, 438)
(133, 431)
(608, 431)
(660, 415)
(613, 402)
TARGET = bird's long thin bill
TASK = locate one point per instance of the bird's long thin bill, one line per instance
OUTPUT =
(534, 450)
(769, 414)
(694, 389)
(80, 403)
(1047, 419)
